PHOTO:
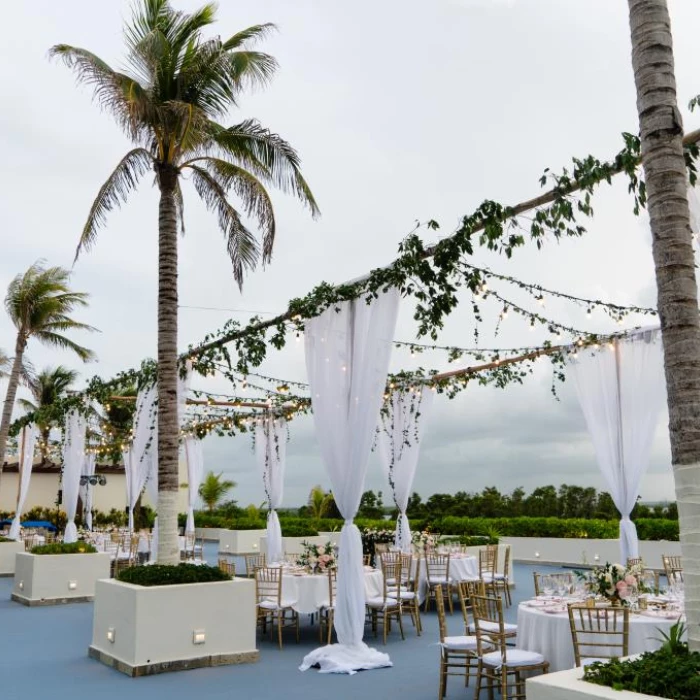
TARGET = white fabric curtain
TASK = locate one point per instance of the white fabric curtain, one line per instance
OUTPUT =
(401, 431)
(73, 461)
(348, 348)
(25, 461)
(195, 474)
(271, 453)
(621, 392)
(86, 491)
(138, 458)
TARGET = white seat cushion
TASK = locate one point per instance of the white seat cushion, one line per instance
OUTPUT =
(459, 643)
(272, 605)
(382, 603)
(514, 657)
(493, 627)
(500, 577)
(404, 595)
(439, 580)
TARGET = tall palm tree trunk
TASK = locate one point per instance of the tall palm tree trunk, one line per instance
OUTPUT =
(666, 182)
(10, 397)
(168, 426)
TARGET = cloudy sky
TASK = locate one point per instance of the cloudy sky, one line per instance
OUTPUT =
(402, 111)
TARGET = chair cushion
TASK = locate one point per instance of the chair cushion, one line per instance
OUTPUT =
(382, 603)
(272, 605)
(459, 643)
(500, 577)
(439, 580)
(514, 657)
(493, 627)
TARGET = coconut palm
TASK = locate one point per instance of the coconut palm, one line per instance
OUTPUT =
(39, 303)
(319, 502)
(214, 488)
(48, 388)
(178, 84)
(666, 184)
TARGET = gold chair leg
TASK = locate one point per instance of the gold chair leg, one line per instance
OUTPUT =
(443, 677)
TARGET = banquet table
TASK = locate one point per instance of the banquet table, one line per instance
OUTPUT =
(310, 591)
(550, 634)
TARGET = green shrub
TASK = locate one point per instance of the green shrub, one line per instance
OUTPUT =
(298, 529)
(164, 575)
(64, 548)
(6, 539)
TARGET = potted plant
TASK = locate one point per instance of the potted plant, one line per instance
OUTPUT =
(57, 573)
(159, 618)
(8, 550)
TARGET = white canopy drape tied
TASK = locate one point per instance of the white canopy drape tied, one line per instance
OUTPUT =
(401, 431)
(195, 474)
(271, 454)
(25, 461)
(621, 392)
(348, 348)
(73, 461)
(86, 491)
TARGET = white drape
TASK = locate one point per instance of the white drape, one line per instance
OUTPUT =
(86, 491)
(621, 392)
(25, 461)
(195, 474)
(271, 452)
(348, 348)
(401, 431)
(143, 451)
(73, 460)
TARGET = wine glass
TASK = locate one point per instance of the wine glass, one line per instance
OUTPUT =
(548, 586)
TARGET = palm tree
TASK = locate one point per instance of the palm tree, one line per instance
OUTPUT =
(319, 502)
(666, 184)
(47, 388)
(178, 85)
(39, 303)
(214, 488)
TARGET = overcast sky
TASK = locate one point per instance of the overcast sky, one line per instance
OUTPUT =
(401, 111)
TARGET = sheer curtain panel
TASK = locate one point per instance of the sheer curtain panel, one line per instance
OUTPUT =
(348, 348)
(401, 430)
(25, 460)
(73, 461)
(195, 473)
(271, 453)
(621, 389)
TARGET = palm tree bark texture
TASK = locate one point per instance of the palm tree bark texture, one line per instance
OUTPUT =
(666, 184)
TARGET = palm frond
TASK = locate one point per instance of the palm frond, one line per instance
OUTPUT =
(253, 195)
(240, 242)
(250, 140)
(115, 92)
(257, 32)
(115, 190)
(27, 405)
(60, 341)
(180, 207)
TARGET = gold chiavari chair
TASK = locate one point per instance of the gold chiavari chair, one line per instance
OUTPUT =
(506, 667)
(437, 568)
(187, 554)
(120, 564)
(272, 608)
(502, 580)
(673, 567)
(252, 562)
(457, 653)
(327, 611)
(30, 541)
(488, 558)
(405, 589)
(598, 633)
(385, 607)
(560, 579)
(466, 590)
(134, 549)
(634, 561)
(228, 567)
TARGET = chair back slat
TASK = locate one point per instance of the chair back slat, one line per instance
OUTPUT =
(437, 567)
(599, 632)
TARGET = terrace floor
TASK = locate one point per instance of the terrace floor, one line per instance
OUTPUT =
(43, 653)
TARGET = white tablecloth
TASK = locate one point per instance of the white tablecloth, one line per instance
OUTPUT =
(463, 568)
(550, 635)
(310, 592)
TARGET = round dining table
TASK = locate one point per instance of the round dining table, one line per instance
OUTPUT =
(310, 592)
(550, 633)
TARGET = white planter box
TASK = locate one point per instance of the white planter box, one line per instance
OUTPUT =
(573, 552)
(209, 534)
(51, 579)
(8, 550)
(293, 545)
(239, 541)
(142, 630)
(567, 685)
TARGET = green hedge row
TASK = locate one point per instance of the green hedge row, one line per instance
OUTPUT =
(647, 528)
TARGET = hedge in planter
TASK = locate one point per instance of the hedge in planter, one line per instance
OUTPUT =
(63, 548)
(165, 575)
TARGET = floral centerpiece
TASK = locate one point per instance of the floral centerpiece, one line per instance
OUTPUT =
(317, 558)
(614, 582)
(372, 536)
(425, 539)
